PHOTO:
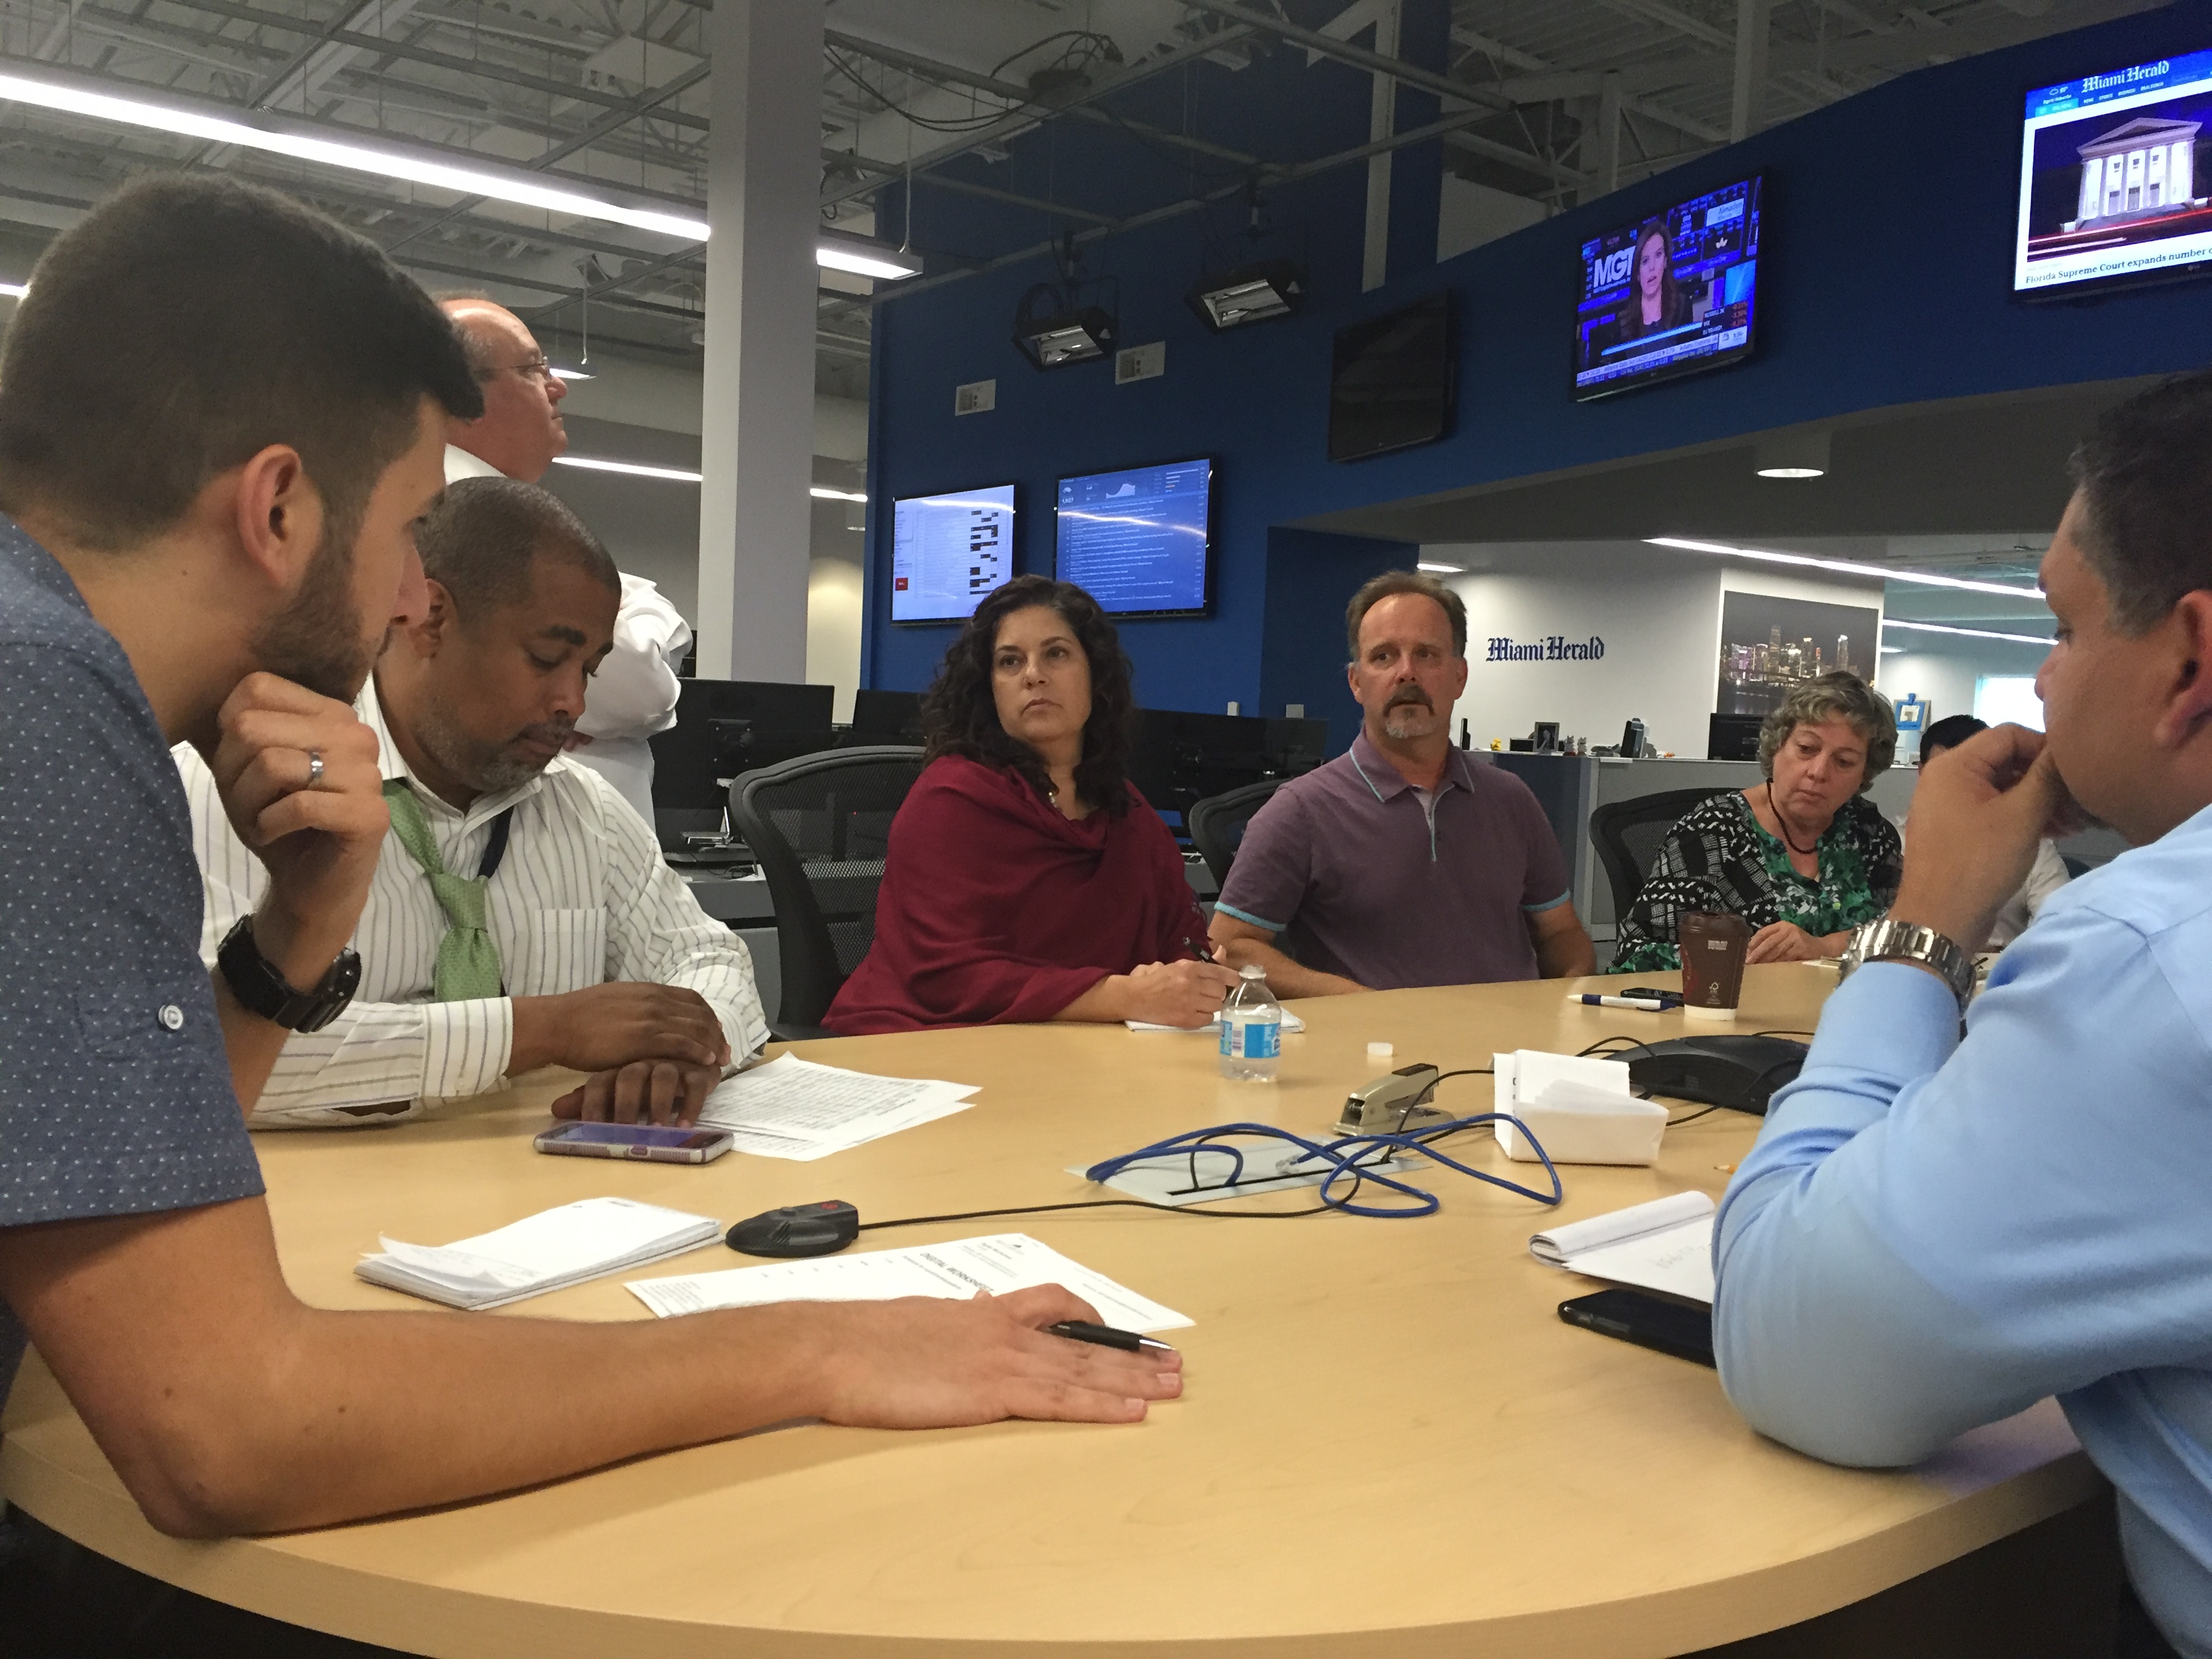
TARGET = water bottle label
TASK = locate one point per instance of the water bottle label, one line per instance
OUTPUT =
(1251, 1039)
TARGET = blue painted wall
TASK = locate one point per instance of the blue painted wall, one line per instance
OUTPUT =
(1886, 279)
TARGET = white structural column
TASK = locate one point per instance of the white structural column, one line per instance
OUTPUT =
(1753, 19)
(757, 424)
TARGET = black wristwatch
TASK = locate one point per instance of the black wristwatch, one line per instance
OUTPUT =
(260, 989)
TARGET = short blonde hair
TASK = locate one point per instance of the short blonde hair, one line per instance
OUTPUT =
(1837, 695)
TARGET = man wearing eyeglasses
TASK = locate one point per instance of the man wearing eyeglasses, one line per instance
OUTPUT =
(520, 433)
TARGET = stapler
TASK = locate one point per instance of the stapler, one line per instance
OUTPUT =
(1389, 1106)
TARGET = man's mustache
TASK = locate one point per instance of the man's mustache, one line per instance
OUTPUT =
(547, 731)
(1407, 695)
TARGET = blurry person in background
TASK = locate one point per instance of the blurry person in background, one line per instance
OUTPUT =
(518, 436)
(2044, 877)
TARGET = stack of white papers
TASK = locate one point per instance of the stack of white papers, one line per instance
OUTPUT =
(1665, 1245)
(956, 1270)
(1291, 1022)
(792, 1108)
(549, 1251)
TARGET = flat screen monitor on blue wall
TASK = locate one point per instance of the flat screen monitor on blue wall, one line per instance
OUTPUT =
(1391, 380)
(1672, 295)
(1140, 541)
(949, 551)
(2113, 190)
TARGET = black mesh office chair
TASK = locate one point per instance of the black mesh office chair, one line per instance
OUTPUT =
(1217, 823)
(1627, 836)
(819, 825)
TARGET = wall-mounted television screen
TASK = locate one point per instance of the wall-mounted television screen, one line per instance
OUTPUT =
(949, 551)
(1140, 541)
(2113, 185)
(1391, 380)
(1672, 295)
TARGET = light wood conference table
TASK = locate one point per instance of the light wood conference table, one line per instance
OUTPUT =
(1389, 1445)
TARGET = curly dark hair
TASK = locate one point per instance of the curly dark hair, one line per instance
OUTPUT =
(960, 716)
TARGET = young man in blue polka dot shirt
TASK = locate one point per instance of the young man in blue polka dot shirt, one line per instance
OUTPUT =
(219, 416)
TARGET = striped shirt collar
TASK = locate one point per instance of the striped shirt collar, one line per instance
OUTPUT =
(391, 764)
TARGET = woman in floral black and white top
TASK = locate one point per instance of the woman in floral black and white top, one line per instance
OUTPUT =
(1803, 857)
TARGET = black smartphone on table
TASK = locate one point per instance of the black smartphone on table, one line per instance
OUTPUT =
(1684, 1329)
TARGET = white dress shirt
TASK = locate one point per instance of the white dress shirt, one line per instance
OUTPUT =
(2044, 877)
(581, 898)
(632, 694)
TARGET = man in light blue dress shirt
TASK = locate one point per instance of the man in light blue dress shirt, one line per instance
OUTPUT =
(1933, 1231)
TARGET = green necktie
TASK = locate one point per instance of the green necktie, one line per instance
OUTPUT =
(468, 962)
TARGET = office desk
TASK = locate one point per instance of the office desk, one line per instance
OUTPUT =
(1389, 1445)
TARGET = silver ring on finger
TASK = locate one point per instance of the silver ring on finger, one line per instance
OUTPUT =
(314, 767)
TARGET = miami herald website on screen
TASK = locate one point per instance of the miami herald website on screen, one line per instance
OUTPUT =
(1135, 541)
(2110, 182)
(948, 552)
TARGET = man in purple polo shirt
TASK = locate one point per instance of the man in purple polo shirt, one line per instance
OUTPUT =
(1403, 861)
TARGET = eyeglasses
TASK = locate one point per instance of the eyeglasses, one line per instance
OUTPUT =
(534, 369)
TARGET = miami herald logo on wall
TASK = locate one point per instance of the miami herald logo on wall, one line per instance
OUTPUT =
(1552, 647)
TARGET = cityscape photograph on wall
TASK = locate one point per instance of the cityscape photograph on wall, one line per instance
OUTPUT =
(1769, 644)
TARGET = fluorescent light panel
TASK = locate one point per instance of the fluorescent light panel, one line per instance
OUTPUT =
(415, 169)
(412, 167)
(863, 260)
(592, 463)
(573, 374)
(14, 290)
(1442, 570)
(1848, 567)
(677, 475)
(1970, 633)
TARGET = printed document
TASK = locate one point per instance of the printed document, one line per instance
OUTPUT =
(792, 1108)
(1209, 1175)
(957, 1270)
(549, 1251)
(1665, 1245)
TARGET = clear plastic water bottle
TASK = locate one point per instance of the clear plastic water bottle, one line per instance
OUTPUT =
(1251, 1029)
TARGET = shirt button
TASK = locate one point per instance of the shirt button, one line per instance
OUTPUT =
(171, 1016)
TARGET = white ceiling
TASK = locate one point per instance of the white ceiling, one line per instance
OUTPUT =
(616, 91)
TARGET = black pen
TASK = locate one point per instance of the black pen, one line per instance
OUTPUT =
(1105, 1336)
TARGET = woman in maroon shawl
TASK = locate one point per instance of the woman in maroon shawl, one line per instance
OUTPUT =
(1027, 879)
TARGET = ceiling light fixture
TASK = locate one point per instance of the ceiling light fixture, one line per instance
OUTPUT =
(14, 290)
(1441, 569)
(824, 492)
(1252, 293)
(1848, 567)
(573, 374)
(415, 168)
(592, 463)
(862, 256)
(1970, 633)
(1791, 455)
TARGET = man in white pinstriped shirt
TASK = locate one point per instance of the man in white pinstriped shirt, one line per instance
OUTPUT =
(607, 962)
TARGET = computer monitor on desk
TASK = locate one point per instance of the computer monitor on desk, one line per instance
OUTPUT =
(1734, 737)
(725, 728)
(1179, 758)
(886, 717)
